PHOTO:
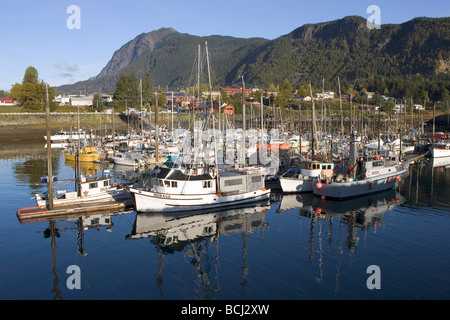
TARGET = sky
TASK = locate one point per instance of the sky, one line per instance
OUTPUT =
(70, 41)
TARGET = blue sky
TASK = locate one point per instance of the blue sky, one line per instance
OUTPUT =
(35, 33)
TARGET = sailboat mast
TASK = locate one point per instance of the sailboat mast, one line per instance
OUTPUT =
(243, 124)
(213, 122)
(313, 123)
(49, 152)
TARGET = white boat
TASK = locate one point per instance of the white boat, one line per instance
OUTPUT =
(183, 189)
(368, 177)
(440, 162)
(300, 179)
(63, 136)
(440, 149)
(92, 189)
(129, 159)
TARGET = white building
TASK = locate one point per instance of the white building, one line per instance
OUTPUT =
(325, 95)
(85, 101)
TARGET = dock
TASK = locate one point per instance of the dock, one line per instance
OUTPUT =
(37, 212)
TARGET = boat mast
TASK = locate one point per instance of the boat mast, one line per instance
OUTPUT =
(213, 122)
(313, 123)
(49, 152)
(78, 157)
(243, 124)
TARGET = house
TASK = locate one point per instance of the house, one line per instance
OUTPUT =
(232, 91)
(325, 95)
(5, 101)
(84, 101)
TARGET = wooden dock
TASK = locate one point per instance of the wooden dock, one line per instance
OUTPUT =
(33, 213)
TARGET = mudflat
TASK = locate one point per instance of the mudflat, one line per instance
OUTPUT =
(12, 135)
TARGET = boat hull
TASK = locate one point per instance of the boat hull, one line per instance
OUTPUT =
(147, 201)
(113, 195)
(348, 189)
(294, 185)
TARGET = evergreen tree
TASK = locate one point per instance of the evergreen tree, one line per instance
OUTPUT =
(31, 76)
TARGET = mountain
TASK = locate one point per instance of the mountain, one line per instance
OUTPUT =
(344, 48)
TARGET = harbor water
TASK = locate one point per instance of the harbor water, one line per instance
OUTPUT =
(393, 245)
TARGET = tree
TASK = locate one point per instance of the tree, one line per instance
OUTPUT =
(98, 102)
(148, 89)
(31, 93)
(31, 76)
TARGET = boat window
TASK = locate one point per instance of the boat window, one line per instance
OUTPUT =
(206, 184)
(93, 185)
(174, 184)
(256, 179)
(160, 182)
(167, 183)
(106, 183)
(233, 182)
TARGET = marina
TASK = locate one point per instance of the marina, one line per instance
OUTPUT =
(323, 246)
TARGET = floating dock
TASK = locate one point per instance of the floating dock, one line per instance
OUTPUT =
(37, 212)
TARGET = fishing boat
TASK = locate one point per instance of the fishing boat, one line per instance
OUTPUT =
(90, 189)
(65, 136)
(300, 178)
(87, 154)
(440, 149)
(367, 177)
(196, 188)
(129, 158)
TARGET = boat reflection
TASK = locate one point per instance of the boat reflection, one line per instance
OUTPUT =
(194, 235)
(80, 223)
(366, 210)
(173, 231)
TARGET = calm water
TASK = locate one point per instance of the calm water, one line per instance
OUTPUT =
(282, 250)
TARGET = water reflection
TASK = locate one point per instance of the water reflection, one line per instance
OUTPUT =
(80, 223)
(194, 233)
(32, 165)
(427, 184)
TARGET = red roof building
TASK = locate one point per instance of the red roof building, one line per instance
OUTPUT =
(5, 101)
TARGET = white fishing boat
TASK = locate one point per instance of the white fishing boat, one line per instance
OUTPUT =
(64, 136)
(90, 189)
(440, 149)
(300, 178)
(129, 159)
(367, 177)
(183, 189)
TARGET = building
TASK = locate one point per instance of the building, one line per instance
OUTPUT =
(5, 101)
(84, 101)
(325, 95)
